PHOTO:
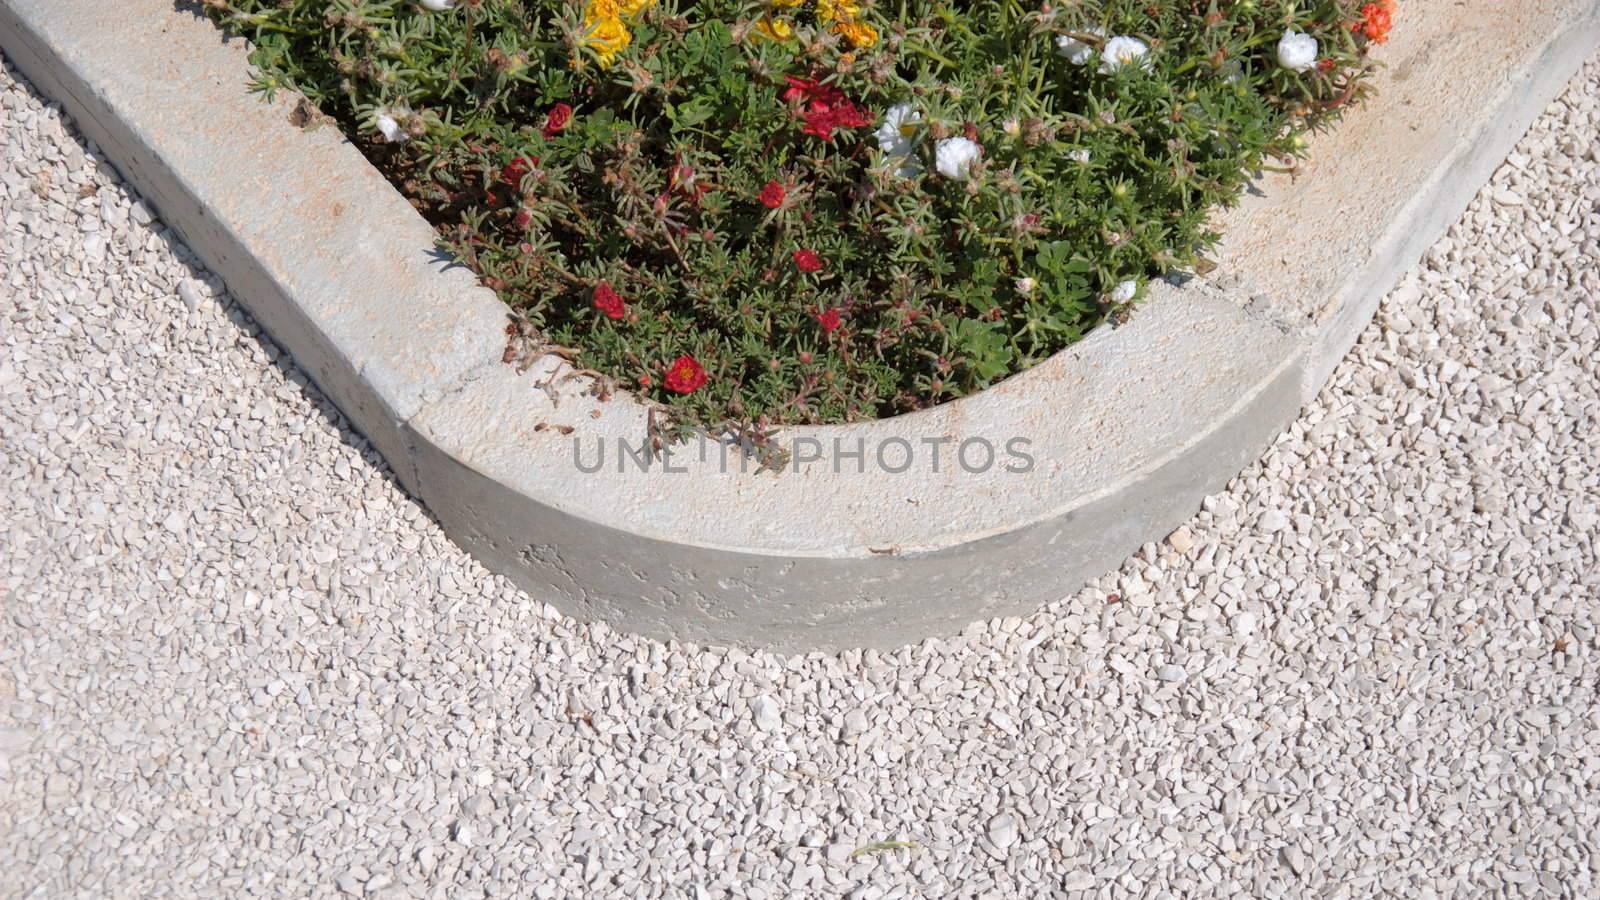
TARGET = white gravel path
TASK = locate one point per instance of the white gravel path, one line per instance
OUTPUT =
(235, 660)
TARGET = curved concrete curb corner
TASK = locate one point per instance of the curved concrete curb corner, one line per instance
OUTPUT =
(880, 533)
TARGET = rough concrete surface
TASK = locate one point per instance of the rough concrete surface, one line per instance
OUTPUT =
(237, 660)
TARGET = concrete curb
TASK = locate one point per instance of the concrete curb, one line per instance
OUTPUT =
(1161, 412)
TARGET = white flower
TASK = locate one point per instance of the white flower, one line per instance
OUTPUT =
(895, 134)
(438, 5)
(1077, 52)
(1080, 155)
(1025, 286)
(1124, 291)
(392, 130)
(953, 157)
(1121, 51)
(1297, 51)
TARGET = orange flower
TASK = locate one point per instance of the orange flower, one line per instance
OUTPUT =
(1376, 20)
(859, 34)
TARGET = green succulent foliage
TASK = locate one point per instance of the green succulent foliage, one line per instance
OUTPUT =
(940, 286)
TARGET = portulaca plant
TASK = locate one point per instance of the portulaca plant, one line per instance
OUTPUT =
(761, 212)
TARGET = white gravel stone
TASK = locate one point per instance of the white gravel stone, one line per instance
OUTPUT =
(239, 661)
(189, 293)
(855, 722)
(1077, 881)
(1003, 830)
(1181, 540)
(764, 710)
(1272, 521)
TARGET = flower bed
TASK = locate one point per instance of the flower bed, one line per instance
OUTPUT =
(801, 212)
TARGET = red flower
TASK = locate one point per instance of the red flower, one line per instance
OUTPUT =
(556, 120)
(518, 169)
(1376, 20)
(822, 119)
(608, 301)
(826, 107)
(1326, 65)
(685, 376)
(772, 195)
(830, 320)
(807, 261)
(809, 91)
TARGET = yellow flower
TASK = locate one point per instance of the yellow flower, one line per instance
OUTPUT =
(859, 34)
(608, 36)
(615, 9)
(840, 14)
(837, 10)
(777, 29)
